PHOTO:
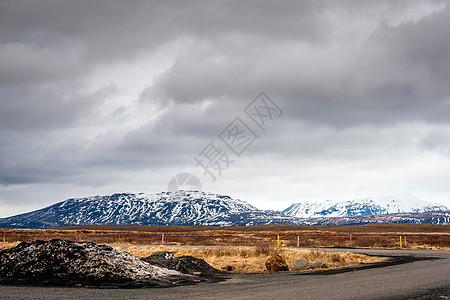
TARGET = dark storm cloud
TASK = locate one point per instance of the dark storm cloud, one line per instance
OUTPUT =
(47, 47)
(27, 63)
(107, 30)
(52, 106)
(426, 44)
(30, 158)
(398, 74)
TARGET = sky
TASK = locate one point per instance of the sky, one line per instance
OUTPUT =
(103, 97)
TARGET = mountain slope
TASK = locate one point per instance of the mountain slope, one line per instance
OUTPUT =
(430, 217)
(166, 208)
(362, 206)
(200, 208)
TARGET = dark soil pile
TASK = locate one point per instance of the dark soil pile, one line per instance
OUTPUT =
(62, 262)
(183, 264)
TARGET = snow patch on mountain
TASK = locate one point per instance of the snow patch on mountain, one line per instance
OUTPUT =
(166, 208)
(201, 208)
(362, 206)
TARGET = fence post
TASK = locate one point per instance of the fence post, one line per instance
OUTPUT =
(298, 241)
(350, 237)
(401, 242)
(278, 241)
(406, 245)
(4, 239)
(162, 239)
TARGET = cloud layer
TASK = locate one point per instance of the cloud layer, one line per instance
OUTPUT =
(102, 97)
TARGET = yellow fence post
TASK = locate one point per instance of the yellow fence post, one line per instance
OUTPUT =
(401, 242)
(278, 241)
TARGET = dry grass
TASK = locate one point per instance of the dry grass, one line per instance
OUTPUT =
(249, 260)
(368, 228)
(8, 245)
(419, 236)
(252, 260)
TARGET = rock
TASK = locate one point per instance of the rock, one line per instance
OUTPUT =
(62, 262)
(163, 259)
(163, 254)
(183, 264)
(319, 264)
(276, 264)
(301, 264)
(189, 265)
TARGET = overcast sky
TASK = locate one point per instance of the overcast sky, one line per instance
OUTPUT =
(99, 97)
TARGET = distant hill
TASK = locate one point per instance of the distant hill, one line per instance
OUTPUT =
(362, 206)
(431, 217)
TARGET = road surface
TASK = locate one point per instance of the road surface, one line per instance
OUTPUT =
(420, 279)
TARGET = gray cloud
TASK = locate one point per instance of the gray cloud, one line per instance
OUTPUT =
(385, 80)
(107, 30)
(360, 83)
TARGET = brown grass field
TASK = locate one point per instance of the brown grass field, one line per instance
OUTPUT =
(418, 236)
(252, 260)
(262, 239)
(249, 260)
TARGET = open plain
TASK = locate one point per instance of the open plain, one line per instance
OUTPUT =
(418, 268)
(418, 274)
(414, 236)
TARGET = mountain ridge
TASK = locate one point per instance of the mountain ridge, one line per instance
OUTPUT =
(362, 206)
(198, 208)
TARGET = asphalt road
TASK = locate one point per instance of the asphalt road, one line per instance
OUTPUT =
(419, 279)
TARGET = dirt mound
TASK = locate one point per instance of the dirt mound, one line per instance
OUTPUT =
(62, 262)
(183, 264)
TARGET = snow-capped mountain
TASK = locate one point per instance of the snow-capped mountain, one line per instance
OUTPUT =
(430, 217)
(362, 206)
(200, 208)
(166, 208)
